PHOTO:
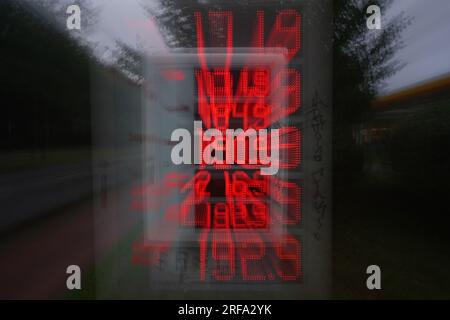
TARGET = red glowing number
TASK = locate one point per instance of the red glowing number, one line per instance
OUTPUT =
(239, 217)
(286, 32)
(251, 250)
(288, 252)
(224, 99)
(221, 216)
(292, 89)
(203, 248)
(223, 254)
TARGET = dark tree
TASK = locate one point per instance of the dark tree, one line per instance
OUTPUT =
(362, 60)
(44, 83)
(128, 60)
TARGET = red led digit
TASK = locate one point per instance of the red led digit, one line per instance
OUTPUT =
(203, 241)
(253, 83)
(222, 91)
(221, 32)
(223, 254)
(290, 147)
(220, 25)
(288, 81)
(221, 216)
(251, 251)
(239, 184)
(239, 216)
(221, 115)
(242, 87)
(198, 215)
(200, 40)
(258, 115)
(288, 251)
(290, 142)
(293, 90)
(215, 97)
(221, 28)
(254, 87)
(220, 84)
(260, 215)
(199, 183)
(286, 32)
(195, 210)
(260, 83)
(259, 32)
(204, 106)
(288, 195)
(259, 184)
(201, 179)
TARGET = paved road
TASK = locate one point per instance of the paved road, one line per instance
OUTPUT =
(33, 259)
(34, 256)
(46, 224)
(31, 194)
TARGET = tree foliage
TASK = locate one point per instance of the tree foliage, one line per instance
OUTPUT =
(362, 58)
(44, 82)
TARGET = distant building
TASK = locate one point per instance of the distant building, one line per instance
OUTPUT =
(392, 109)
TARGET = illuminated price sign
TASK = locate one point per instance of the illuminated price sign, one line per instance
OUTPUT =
(236, 128)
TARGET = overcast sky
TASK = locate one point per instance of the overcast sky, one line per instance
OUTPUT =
(427, 40)
(125, 20)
